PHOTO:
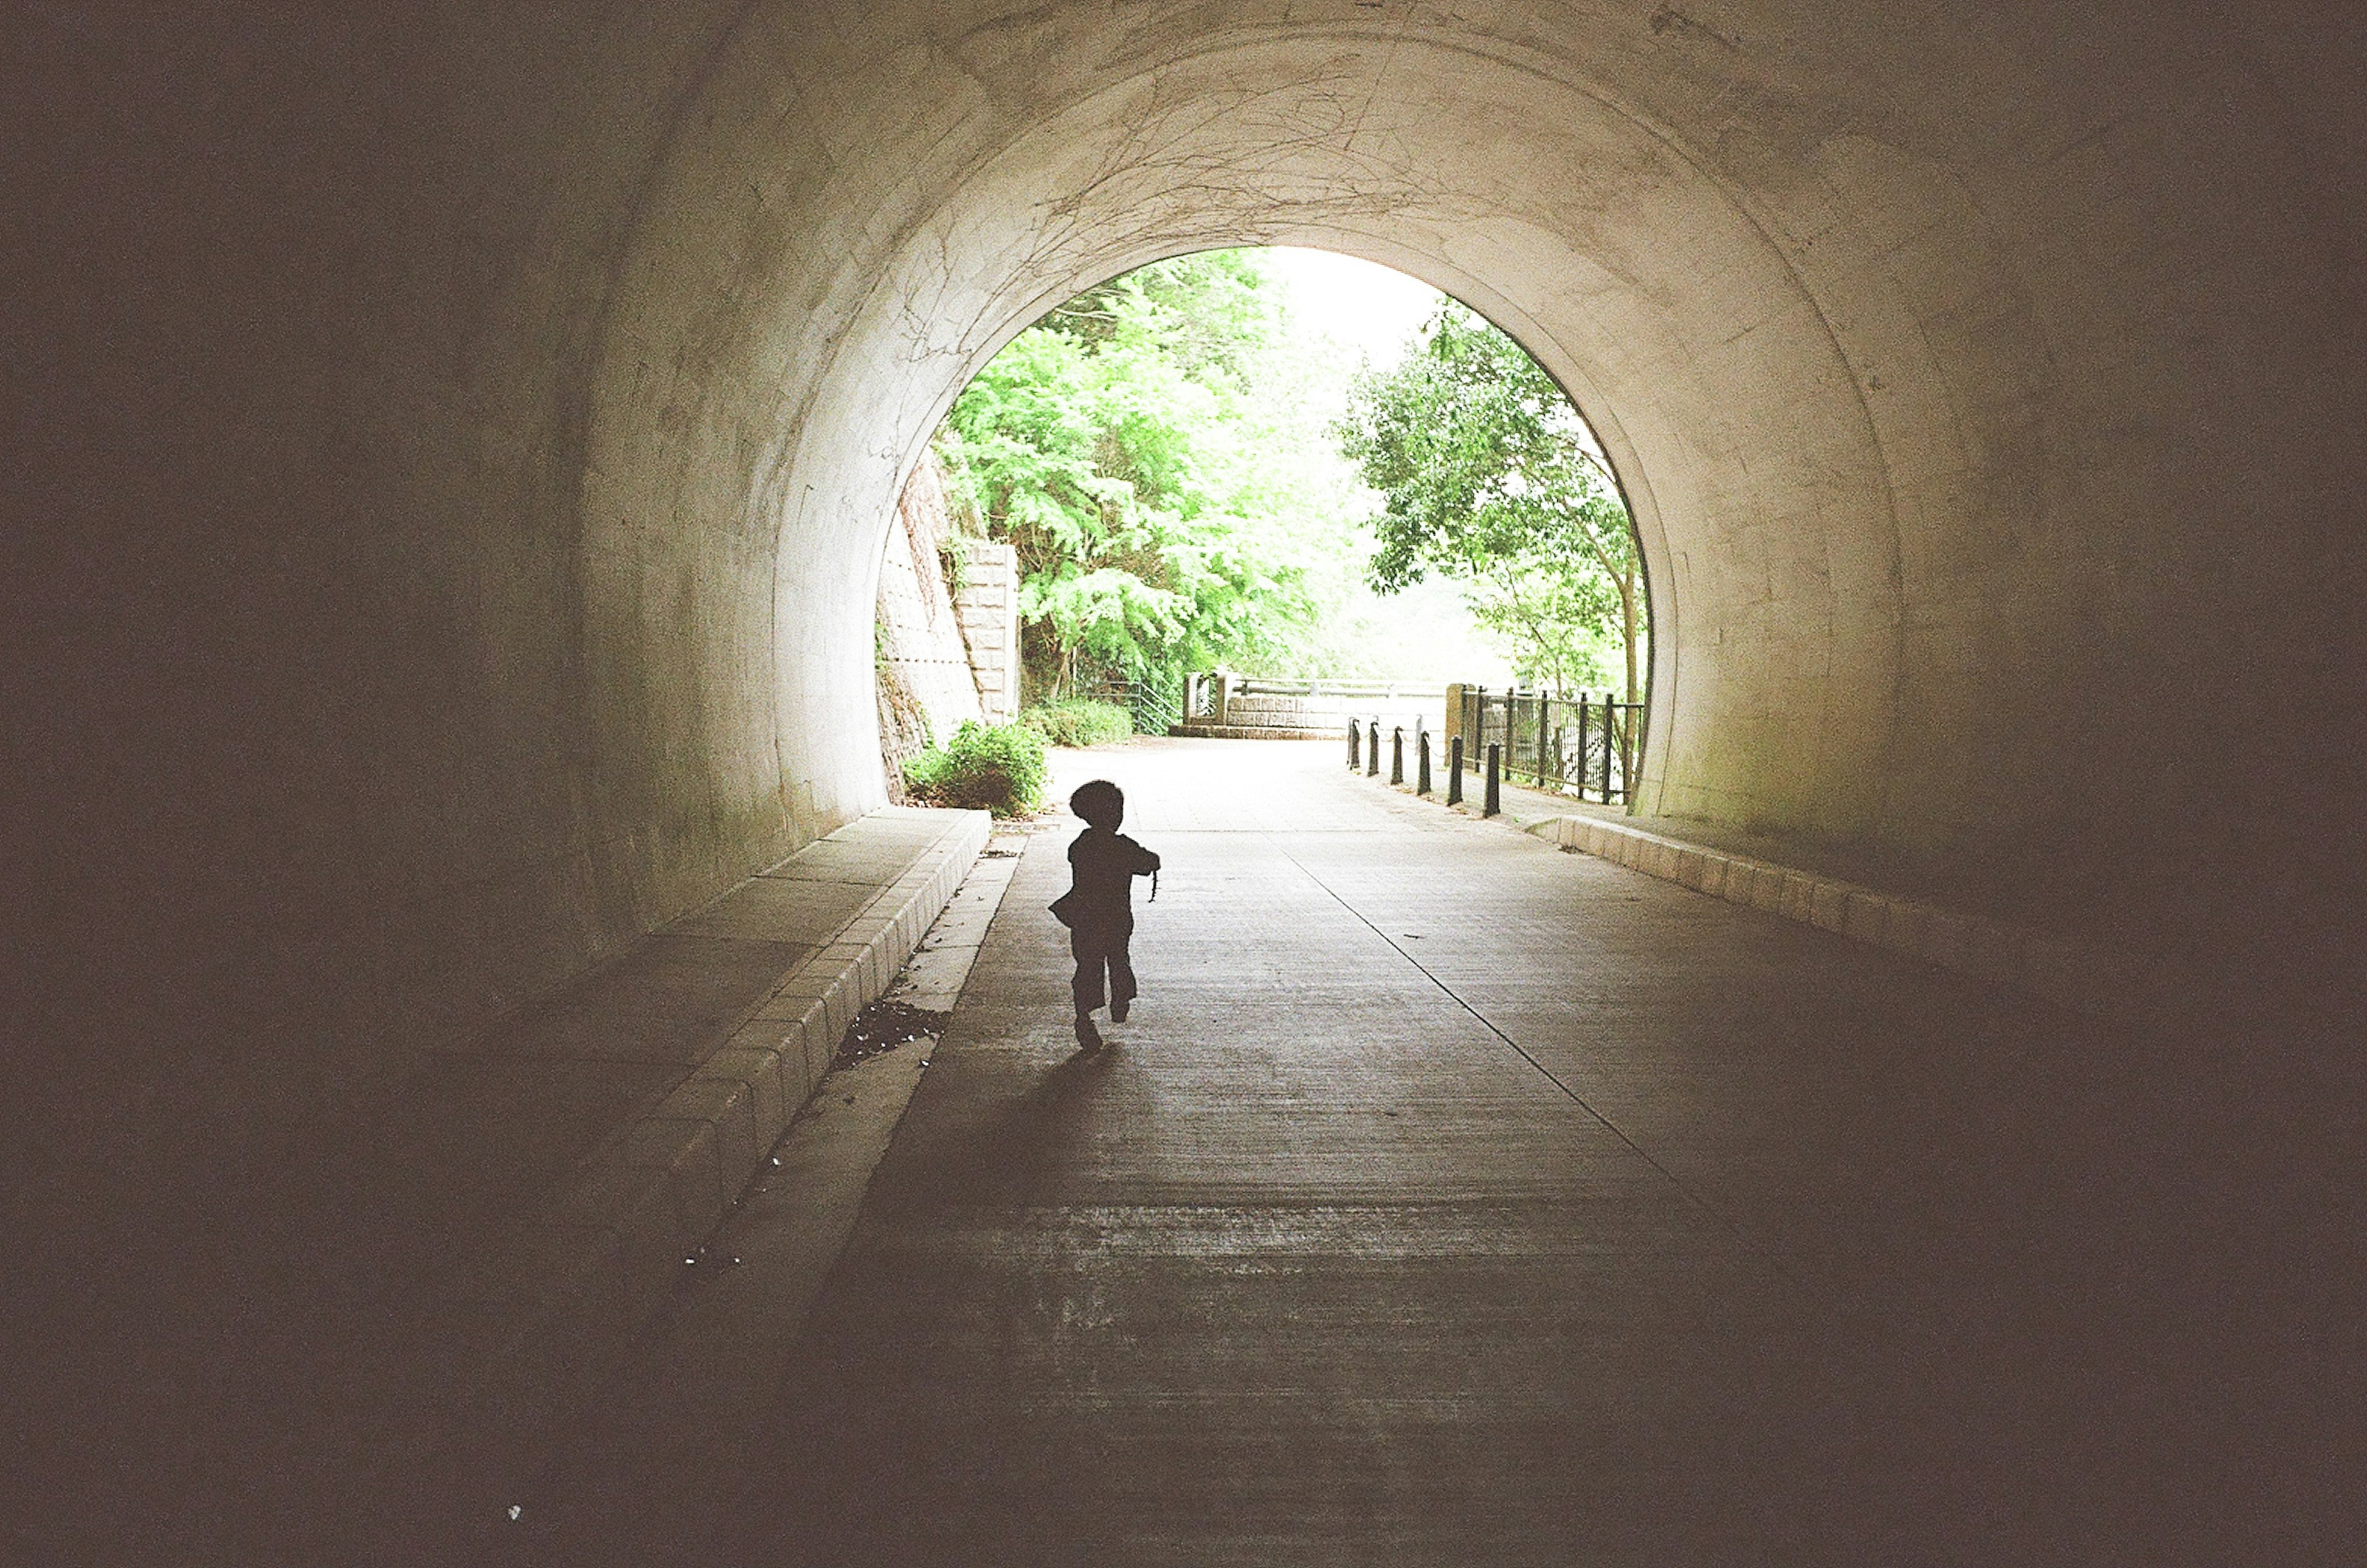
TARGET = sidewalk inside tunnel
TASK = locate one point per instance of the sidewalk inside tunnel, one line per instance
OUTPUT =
(1447, 1199)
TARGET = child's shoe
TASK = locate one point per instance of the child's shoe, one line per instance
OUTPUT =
(1118, 1009)
(1089, 1039)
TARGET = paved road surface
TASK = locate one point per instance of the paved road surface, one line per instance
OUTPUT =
(1450, 1200)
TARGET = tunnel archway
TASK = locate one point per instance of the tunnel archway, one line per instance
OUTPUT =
(1825, 341)
(1255, 143)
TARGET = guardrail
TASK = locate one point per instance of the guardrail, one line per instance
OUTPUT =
(1579, 745)
(1584, 745)
(1589, 746)
(1334, 691)
(1223, 702)
(1154, 703)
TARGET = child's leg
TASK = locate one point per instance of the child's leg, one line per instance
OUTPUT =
(1092, 951)
(1121, 978)
(1087, 987)
(1089, 957)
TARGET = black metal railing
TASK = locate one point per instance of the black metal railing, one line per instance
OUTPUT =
(1156, 703)
(1587, 745)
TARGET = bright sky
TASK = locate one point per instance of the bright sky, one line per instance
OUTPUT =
(1363, 306)
(1423, 632)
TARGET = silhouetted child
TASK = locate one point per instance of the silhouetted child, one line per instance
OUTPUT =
(1098, 908)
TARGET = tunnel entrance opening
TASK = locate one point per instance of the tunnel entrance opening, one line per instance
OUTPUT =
(1215, 461)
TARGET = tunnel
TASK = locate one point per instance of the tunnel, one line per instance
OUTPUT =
(452, 449)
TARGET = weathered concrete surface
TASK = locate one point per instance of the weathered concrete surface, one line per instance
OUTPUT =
(664, 1445)
(421, 1313)
(1917, 923)
(448, 454)
(1452, 1200)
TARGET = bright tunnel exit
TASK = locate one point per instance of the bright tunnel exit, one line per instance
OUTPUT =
(1309, 472)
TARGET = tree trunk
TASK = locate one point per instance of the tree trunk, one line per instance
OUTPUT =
(1626, 581)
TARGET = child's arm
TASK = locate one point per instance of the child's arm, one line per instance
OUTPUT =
(1146, 861)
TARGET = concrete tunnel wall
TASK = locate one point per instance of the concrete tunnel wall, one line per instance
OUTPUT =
(453, 449)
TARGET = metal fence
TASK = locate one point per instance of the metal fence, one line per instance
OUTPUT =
(1154, 702)
(1585, 744)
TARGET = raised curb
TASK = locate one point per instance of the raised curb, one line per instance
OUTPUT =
(582, 1280)
(2066, 973)
(2071, 973)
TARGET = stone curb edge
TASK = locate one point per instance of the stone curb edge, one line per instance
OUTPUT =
(2072, 975)
(2068, 973)
(604, 1262)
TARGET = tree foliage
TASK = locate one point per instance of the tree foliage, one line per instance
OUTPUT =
(1107, 444)
(1489, 477)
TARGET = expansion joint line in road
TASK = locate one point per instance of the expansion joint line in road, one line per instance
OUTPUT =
(1695, 1199)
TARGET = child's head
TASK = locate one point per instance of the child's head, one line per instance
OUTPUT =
(1100, 802)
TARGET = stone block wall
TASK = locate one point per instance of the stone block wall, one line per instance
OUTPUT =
(988, 603)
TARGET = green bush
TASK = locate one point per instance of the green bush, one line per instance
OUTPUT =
(1078, 721)
(998, 767)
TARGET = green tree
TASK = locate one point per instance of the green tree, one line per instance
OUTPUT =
(1104, 444)
(1489, 477)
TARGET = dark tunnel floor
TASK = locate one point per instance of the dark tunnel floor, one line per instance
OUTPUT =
(1449, 1200)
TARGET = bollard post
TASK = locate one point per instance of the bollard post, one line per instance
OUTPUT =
(1582, 711)
(1397, 754)
(1355, 750)
(1373, 751)
(1454, 770)
(1495, 776)
(1422, 763)
(1609, 733)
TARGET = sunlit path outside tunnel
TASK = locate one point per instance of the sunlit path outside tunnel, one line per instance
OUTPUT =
(1449, 1200)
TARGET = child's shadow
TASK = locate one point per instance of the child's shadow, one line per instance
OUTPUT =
(991, 1148)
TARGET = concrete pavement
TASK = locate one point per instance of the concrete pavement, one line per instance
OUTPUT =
(1450, 1200)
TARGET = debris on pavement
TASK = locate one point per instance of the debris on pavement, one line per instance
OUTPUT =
(883, 1026)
